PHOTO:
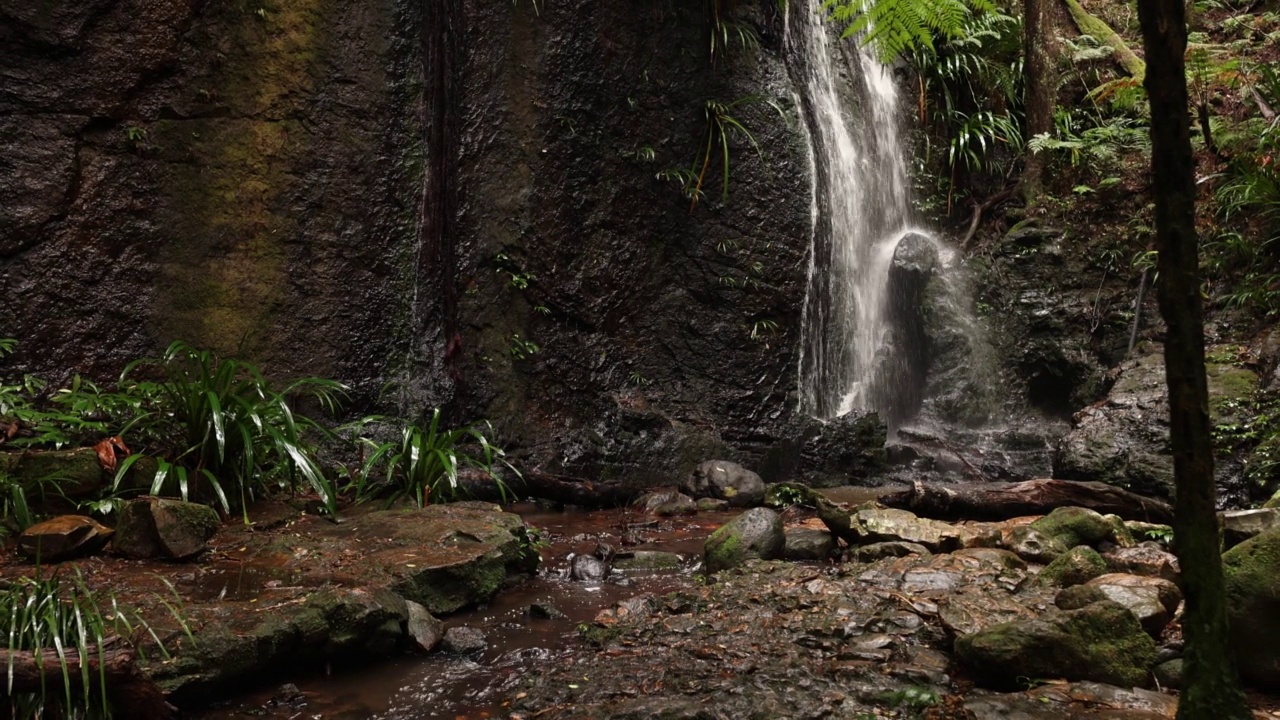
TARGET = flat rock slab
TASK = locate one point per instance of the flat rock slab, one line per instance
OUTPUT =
(63, 537)
(311, 591)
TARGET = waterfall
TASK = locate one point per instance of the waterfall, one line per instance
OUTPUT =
(861, 207)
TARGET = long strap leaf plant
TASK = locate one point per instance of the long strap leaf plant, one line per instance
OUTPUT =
(217, 424)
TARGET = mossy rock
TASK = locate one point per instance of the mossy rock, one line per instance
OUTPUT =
(1252, 573)
(152, 527)
(1074, 526)
(1102, 642)
(1079, 565)
(756, 534)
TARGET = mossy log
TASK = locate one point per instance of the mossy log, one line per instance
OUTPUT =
(1098, 29)
(131, 694)
(1000, 501)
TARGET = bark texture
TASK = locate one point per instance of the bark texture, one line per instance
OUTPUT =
(131, 694)
(1210, 686)
(1000, 501)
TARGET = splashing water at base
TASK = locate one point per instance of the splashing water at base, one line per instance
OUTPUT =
(866, 343)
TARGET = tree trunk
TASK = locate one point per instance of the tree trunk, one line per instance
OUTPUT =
(1211, 688)
(1000, 501)
(1040, 51)
(131, 694)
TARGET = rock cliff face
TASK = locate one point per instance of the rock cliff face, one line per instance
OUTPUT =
(476, 201)
(237, 174)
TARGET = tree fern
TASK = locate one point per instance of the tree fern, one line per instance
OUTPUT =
(899, 27)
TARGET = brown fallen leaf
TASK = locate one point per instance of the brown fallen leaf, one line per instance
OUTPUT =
(110, 451)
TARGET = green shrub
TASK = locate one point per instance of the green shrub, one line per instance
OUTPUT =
(422, 462)
(217, 426)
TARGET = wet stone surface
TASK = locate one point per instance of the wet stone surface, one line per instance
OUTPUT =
(310, 592)
(774, 639)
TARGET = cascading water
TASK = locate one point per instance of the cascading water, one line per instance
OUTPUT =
(861, 207)
(869, 341)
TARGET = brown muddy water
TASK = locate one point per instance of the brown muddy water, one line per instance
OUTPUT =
(440, 685)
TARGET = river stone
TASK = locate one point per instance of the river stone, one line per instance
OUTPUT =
(648, 560)
(711, 505)
(1078, 565)
(545, 610)
(62, 538)
(1252, 571)
(996, 556)
(666, 502)
(588, 568)
(1240, 525)
(1101, 642)
(877, 551)
(1074, 526)
(804, 543)
(755, 534)
(727, 481)
(1031, 544)
(1148, 558)
(1151, 600)
(424, 629)
(151, 527)
(1169, 673)
(464, 640)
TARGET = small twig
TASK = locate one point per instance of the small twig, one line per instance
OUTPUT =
(1137, 312)
(1267, 113)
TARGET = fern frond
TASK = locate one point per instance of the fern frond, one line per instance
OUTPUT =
(899, 27)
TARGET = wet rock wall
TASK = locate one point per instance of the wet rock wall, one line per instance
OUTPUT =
(474, 203)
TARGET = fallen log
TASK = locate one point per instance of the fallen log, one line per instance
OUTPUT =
(574, 490)
(130, 692)
(1001, 501)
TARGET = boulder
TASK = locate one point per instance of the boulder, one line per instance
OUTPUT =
(1148, 559)
(1124, 440)
(1031, 544)
(755, 534)
(1102, 642)
(872, 525)
(464, 640)
(1074, 526)
(804, 543)
(151, 527)
(62, 538)
(425, 630)
(1078, 565)
(727, 481)
(1252, 571)
(1151, 600)
(1240, 525)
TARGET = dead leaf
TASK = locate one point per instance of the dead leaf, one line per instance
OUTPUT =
(110, 451)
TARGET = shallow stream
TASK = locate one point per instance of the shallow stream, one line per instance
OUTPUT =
(441, 685)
